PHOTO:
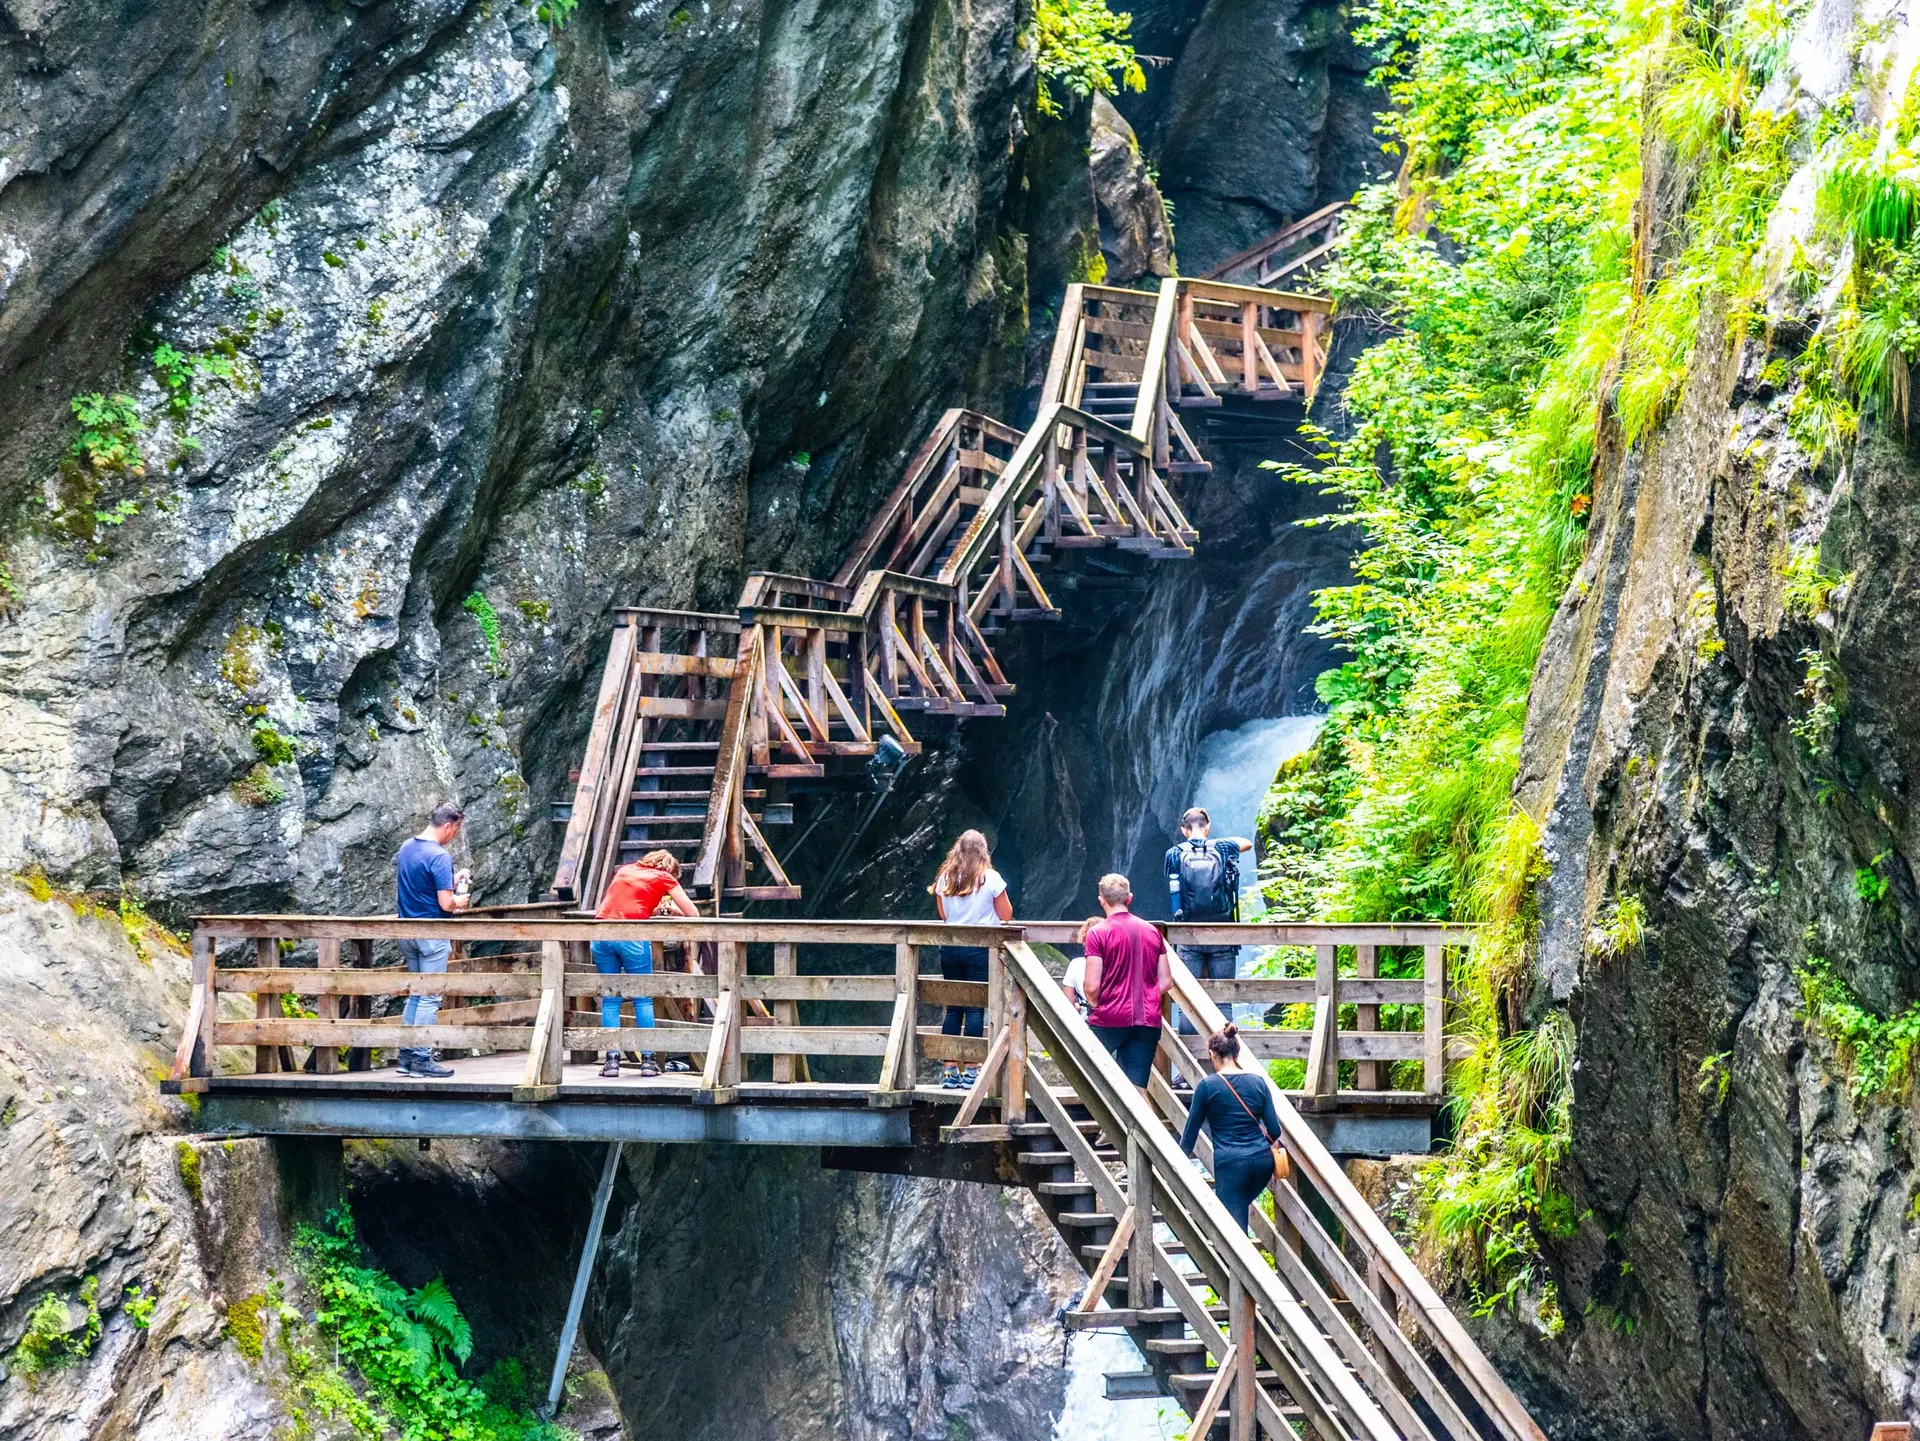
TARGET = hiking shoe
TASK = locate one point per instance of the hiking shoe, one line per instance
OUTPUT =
(968, 1077)
(404, 1062)
(950, 1079)
(425, 1065)
(648, 1070)
(611, 1070)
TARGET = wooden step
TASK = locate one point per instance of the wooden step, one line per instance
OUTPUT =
(687, 795)
(657, 746)
(1083, 1220)
(1121, 1318)
(1061, 1158)
(1064, 1188)
(1043, 1128)
(674, 771)
(1200, 1380)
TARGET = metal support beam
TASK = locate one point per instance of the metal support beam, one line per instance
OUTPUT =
(589, 1249)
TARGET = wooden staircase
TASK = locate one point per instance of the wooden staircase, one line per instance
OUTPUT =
(703, 719)
(1320, 1325)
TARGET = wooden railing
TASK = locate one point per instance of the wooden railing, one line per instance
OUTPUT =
(1394, 1018)
(1353, 1332)
(1291, 251)
(752, 993)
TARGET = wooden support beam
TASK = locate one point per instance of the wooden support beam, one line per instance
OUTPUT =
(1140, 1202)
(1110, 1262)
(983, 1083)
(1323, 1055)
(266, 1007)
(1223, 1377)
(1366, 967)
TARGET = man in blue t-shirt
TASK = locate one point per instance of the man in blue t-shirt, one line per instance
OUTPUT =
(429, 889)
(1203, 884)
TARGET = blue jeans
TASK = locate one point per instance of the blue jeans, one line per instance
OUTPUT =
(427, 958)
(632, 958)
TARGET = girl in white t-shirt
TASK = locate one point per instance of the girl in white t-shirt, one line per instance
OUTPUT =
(968, 892)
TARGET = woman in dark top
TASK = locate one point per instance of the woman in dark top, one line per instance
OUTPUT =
(1235, 1105)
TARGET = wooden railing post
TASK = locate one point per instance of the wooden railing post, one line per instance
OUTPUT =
(553, 999)
(1140, 1247)
(1323, 1053)
(266, 1007)
(1433, 1017)
(1366, 966)
(206, 966)
(784, 1012)
(326, 1059)
(729, 969)
(360, 1008)
(1013, 1095)
(1240, 1332)
(906, 982)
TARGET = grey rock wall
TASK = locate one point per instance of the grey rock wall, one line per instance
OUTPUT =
(558, 319)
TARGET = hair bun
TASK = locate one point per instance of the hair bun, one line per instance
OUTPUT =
(1230, 1029)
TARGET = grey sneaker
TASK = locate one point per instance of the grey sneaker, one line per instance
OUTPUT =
(425, 1065)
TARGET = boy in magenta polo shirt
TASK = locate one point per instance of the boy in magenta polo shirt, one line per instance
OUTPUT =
(1126, 972)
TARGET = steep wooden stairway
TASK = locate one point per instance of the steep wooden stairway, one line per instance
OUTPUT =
(702, 718)
(1318, 1326)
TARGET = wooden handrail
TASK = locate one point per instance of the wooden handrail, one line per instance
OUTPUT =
(1279, 240)
(1334, 1403)
(1365, 1228)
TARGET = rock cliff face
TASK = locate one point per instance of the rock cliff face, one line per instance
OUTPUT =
(1751, 1263)
(1258, 115)
(417, 302)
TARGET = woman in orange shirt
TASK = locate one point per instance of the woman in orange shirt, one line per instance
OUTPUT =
(634, 894)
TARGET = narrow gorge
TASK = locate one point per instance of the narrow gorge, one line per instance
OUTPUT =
(362, 359)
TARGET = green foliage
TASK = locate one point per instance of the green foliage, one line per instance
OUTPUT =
(1085, 48)
(180, 371)
(110, 432)
(1529, 317)
(555, 13)
(139, 1307)
(272, 747)
(259, 787)
(55, 1336)
(1624, 928)
(478, 606)
(407, 1348)
(1819, 722)
(246, 1326)
(186, 1158)
(1716, 1077)
(534, 612)
(1869, 884)
(1878, 1052)
(1806, 585)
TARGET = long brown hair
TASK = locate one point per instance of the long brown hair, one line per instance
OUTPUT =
(964, 868)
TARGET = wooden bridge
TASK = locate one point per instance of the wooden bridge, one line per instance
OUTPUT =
(819, 1033)
(703, 720)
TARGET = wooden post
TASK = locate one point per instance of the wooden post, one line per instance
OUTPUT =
(266, 954)
(1006, 558)
(889, 660)
(1140, 1251)
(996, 1016)
(1240, 1334)
(784, 1012)
(553, 981)
(360, 1008)
(326, 1059)
(906, 982)
(816, 642)
(1309, 352)
(1013, 1098)
(206, 963)
(1433, 1006)
(1249, 354)
(1366, 966)
(728, 974)
(1323, 1052)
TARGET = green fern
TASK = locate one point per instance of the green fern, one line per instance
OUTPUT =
(438, 1314)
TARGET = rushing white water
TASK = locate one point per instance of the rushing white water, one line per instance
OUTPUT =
(1231, 776)
(1233, 770)
(1089, 1416)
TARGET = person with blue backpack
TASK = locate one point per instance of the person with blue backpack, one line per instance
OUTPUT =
(1203, 884)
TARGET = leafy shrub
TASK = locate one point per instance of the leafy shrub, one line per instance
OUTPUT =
(481, 609)
(1082, 46)
(139, 1307)
(1877, 1051)
(273, 748)
(407, 1347)
(52, 1339)
(258, 787)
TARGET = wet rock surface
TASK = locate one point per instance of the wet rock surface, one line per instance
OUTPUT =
(549, 319)
(1750, 1260)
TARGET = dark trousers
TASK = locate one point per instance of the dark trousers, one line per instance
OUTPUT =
(963, 963)
(1239, 1177)
(1209, 963)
